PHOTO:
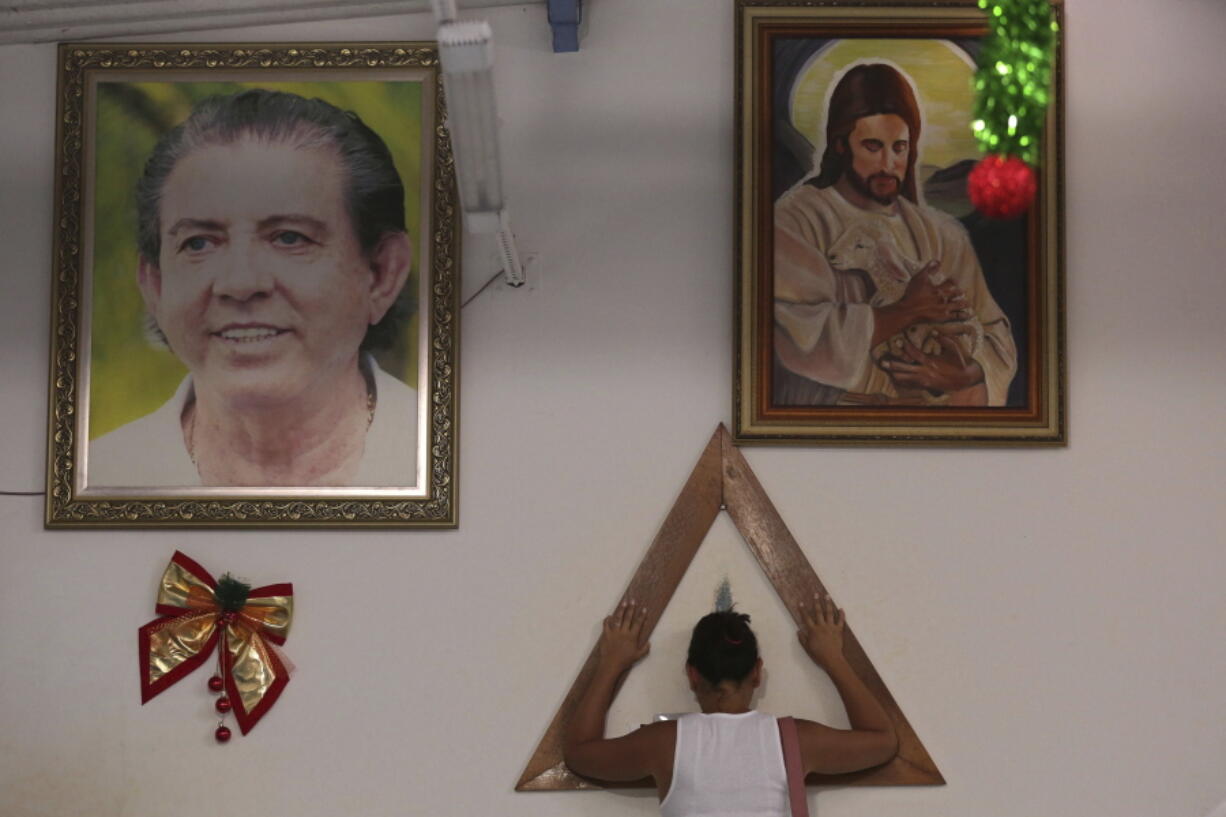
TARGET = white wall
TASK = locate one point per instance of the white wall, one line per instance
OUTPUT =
(1050, 620)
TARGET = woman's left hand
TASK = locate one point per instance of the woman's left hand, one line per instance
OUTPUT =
(621, 641)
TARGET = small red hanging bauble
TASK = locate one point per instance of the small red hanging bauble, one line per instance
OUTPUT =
(222, 704)
(222, 734)
(215, 683)
(1001, 187)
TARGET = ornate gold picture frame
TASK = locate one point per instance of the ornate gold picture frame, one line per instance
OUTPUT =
(255, 301)
(810, 367)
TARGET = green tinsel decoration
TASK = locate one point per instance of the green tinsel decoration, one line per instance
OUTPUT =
(723, 597)
(231, 594)
(1013, 82)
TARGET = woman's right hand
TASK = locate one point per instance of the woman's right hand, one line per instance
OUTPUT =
(821, 631)
(621, 639)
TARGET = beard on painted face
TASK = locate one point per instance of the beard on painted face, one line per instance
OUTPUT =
(881, 187)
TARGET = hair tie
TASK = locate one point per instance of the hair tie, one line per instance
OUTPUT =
(736, 642)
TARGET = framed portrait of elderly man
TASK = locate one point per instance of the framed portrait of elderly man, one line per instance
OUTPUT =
(875, 304)
(254, 316)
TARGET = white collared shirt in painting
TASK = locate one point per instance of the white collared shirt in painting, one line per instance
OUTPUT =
(150, 453)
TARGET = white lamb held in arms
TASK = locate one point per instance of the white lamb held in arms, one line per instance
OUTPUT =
(867, 248)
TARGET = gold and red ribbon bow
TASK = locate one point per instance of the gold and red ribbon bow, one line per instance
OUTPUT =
(195, 617)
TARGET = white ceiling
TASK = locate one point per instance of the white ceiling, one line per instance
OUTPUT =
(36, 21)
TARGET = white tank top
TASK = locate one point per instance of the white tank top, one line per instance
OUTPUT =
(727, 765)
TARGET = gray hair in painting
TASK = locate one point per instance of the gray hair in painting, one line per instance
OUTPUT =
(375, 192)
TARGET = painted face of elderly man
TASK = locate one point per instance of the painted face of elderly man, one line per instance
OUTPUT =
(842, 336)
(272, 252)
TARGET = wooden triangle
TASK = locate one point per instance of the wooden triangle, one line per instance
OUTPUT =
(723, 480)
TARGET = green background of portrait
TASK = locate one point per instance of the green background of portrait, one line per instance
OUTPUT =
(130, 376)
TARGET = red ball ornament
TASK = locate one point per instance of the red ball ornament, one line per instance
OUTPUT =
(216, 684)
(222, 734)
(1001, 187)
(222, 704)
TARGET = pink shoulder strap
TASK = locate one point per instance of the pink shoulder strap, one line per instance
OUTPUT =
(790, 741)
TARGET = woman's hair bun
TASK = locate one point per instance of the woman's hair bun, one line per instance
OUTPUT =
(723, 647)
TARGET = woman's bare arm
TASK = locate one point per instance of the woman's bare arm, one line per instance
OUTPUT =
(871, 740)
(585, 748)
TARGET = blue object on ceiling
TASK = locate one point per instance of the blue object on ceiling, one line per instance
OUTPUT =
(564, 18)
